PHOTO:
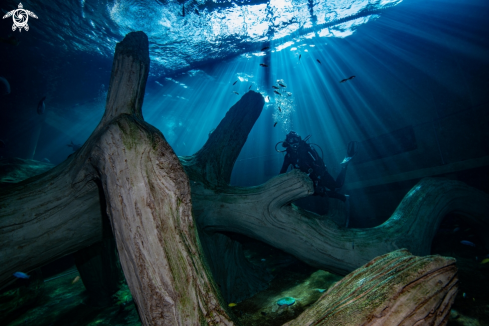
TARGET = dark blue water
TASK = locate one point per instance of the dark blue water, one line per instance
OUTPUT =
(416, 63)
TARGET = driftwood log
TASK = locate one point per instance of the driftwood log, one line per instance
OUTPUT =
(394, 289)
(149, 204)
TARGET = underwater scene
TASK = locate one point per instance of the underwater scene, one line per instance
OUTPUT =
(244, 162)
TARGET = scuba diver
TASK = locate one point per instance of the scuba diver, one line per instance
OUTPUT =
(301, 155)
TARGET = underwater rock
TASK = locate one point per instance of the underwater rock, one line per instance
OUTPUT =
(394, 289)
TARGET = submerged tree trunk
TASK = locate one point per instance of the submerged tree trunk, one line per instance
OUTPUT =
(265, 213)
(148, 198)
(148, 204)
(235, 276)
(394, 289)
(99, 267)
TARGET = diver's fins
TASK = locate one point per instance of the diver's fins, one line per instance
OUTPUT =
(350, 152)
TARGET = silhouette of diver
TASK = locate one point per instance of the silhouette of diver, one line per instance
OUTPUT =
(301, 155)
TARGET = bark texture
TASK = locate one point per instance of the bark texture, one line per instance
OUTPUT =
(47, 217)
(148, 203)
(265, 213)
(394, 289)
(213, 164)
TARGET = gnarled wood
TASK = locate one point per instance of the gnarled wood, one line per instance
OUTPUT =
(148, 204)
(394, 289)
(214, 163)
(264, 213)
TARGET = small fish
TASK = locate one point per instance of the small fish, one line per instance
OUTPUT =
(273, 126)
(21, 275)
(263, 259)
(76, 279)
(485, 261)
(282, 85)
(321, 290)
(467, 243)
(268, 98)
(463, 295)
(289, 94)
(263, 65)
(249, 87)
(344, 80)
(197, 12)
(263, 313)
(279, 109)
(235, 83)
(265, 48)
(46, 160)
(232, 305)
(41, 107)
(456, 229)
(4, 86)
(235, 92)
(319, 61)
(277, 93)
(300, 55)
(275, 87)
(183, 10)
